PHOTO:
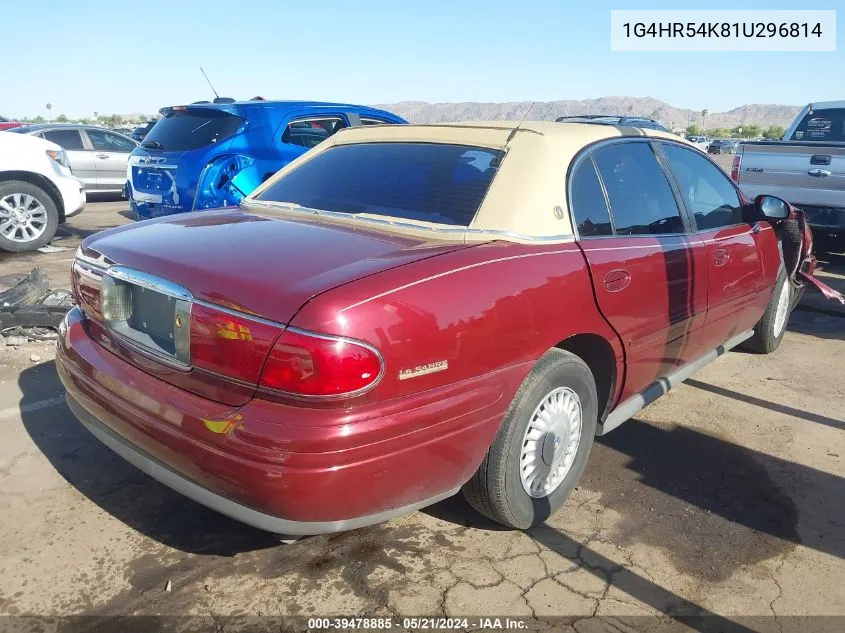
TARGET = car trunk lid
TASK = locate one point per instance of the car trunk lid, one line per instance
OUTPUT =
(256, 264)
(262, 268)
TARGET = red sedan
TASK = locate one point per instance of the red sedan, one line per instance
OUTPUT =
(8, 124)
(406, 311)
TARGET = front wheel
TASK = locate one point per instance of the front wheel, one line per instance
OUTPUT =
(541, 448)
(28, 216)
(769, 332)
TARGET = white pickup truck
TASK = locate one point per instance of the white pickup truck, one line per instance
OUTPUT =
(806, 168)
(37, 191)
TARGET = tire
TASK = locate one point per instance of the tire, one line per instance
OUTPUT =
(497, 490)
(39, 204)
(769, 331)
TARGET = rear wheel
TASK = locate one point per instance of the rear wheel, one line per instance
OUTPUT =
(768, 333)
(28, 216)
(542, 445)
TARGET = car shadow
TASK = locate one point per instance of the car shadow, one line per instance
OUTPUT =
(118, 487)
(710, 505)
(456, 510)
(766, 404)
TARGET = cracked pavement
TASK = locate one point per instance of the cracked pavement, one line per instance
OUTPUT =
(724, 499)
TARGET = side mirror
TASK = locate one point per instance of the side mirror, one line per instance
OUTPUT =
(771, 207)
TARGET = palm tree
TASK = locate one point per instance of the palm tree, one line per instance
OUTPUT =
(49, 107)
(704, 114)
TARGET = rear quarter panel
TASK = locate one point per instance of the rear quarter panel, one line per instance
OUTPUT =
(479, 310)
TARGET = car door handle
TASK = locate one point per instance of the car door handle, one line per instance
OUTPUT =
(721, 257)
(617, 280)
(103, 156)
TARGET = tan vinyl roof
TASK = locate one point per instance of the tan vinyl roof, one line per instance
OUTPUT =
(530, 183)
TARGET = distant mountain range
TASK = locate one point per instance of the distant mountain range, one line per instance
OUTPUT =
(674, 118)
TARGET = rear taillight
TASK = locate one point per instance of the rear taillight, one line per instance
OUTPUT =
(308, 364)
(228, 344)
(735, 167)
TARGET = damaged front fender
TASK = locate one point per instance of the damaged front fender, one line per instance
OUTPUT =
(797, 248)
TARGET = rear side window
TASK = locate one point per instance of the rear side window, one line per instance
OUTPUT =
(183, 130)
(640, 196)
(707, 192)
(822, 125)
(311, 132)
(429, 182)
(587, 201)
(373, 121)
(67, 139)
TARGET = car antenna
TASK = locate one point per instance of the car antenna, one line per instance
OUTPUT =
(516, 129)
(216, 96)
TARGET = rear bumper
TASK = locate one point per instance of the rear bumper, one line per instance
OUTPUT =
(145, 209)
(183, 485)
(285, 468)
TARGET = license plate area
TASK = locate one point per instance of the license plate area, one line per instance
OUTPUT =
(150, 316)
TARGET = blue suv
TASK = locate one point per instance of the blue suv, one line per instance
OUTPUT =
(204, 155)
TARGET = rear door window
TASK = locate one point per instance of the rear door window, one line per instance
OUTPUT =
(309, 132)
(67, 139)
(429, 182)
(587, 201)
(183, 130)
(822, 125)
(103, 141)
(641, 198)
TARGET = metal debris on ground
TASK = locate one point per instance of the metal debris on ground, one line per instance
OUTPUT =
(29, 309)
(49, 248)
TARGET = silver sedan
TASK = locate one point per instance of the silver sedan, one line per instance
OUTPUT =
(97, 156)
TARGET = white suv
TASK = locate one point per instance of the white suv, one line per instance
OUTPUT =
(37, 191)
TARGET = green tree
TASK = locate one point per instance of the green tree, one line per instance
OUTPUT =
(774, 132)
(61, 118)
(718, 132)
(38, 119)
(747, 130)
(693, 130)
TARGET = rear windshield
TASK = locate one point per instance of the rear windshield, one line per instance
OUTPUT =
(822, 125)
(429, 182)
(191, 129)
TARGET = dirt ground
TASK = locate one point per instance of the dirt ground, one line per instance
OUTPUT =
(724, 499)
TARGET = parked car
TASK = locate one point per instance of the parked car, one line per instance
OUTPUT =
(140, 132)
(407, 311)
(208, 155)
(722, 146)
(37, 191)
(627, 121)
(8, 124)
(701, 142)
(807, 168)
(97, 156)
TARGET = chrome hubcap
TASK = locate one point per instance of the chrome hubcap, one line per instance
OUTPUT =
(782, 311)
(550, 442)
(22, 218)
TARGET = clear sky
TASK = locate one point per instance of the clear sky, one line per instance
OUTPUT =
(109, 56)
